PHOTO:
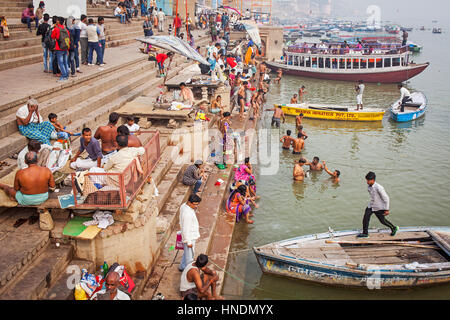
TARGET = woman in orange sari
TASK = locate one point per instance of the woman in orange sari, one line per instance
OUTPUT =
(238, 204)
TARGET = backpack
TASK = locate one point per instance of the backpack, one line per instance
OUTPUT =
(72, 42)
(64, 39)
(48, 41)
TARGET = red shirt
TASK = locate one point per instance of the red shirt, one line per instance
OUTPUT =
(55, 35)
(177, 22)
(231, 62)
(161, 58)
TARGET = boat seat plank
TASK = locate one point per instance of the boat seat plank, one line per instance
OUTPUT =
(442, 239)
(386, 236)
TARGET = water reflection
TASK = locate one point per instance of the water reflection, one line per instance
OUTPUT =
(298, 189)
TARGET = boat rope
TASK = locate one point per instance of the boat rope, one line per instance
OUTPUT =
(249, 284)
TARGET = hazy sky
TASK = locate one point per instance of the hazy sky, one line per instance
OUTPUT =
(403, 11)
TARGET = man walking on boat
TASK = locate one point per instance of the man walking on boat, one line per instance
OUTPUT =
(378, 205)
(359, 98)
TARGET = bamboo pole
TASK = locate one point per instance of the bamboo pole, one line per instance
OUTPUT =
(187, 25)
(174, 28)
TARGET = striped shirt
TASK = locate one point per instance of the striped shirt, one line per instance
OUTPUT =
(379, 200)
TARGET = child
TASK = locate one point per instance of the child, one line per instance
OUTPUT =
(61, 131)
(132, 124)
(170, 29)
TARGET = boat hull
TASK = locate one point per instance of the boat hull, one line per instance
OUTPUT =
(370, 77)
(344, 276)
(398, 117)
(332, 114)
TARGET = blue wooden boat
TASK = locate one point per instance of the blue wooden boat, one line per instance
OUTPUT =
(413, 110)
(414, 257)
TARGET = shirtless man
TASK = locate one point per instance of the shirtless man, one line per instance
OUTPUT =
(287, 140)
(301, 93)
(277, 115)
(241, 99)
(31, 184)
(299, 173)
(299, 144)
(334, 175)
(133, 141)
(186, 94)
(298, 121)
(255, 103)
(216, 106)
(279, 75)
(107, 134)
(262, 71)
(294, 99)
(300, 130)
(315, 165)
(192, 282)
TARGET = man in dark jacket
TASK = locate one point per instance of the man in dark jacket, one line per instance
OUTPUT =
(42, 31)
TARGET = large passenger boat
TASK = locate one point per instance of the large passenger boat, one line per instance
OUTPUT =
(378, 63)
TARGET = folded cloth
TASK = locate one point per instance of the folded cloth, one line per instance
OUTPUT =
(31, 199)
(101, 218)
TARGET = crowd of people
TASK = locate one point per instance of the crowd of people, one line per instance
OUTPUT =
(62, 39)
(110, 149)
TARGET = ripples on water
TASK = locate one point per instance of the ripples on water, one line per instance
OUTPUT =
(411, 161)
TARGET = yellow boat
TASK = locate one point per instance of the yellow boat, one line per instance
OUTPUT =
(331, 112)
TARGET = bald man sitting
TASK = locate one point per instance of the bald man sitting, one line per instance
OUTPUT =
(31, 184)
(111, 292)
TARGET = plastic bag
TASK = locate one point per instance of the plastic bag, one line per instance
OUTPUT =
(80, 294)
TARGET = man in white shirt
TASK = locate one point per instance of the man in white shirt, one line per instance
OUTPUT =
(405, 96)
(83, 39)
(378, 205)
(359, 98)
(189, 229)
(161, 18)
(120, 161)
(111, 292)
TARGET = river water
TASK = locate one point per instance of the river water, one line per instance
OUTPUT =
(411, 161)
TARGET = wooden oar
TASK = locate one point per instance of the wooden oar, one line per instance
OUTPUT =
(393, 243)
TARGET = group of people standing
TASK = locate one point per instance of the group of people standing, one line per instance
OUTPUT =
(61, 40)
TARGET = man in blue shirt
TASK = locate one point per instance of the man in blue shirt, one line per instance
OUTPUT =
(92, 146)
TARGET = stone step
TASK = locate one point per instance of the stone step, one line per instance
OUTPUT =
(20, 52)
(20, 43)
(28, 244)
(15, 34)
(71, 96)
(20, 61)
(35, 281)
(59, 290)
(15, 142)
(10, 4)
(168, 183)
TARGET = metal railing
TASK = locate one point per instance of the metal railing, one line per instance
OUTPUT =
(117, 190)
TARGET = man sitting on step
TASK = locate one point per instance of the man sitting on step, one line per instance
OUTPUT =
(107, 134)
(31, 184)
(92, 146)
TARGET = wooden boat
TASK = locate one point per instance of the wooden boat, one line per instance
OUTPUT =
(414, 257)
(374, 63)
(332, 112)
(413, 110)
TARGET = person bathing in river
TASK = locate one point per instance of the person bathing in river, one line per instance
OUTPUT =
(287, 140)
(315, 165)
(298, 121)
(277, 115)
(298, 144)
(279, 75)
(334, 175)
(299, 173)
(300, 130)
(378, 205)
(294, 99)
(301, 93)
(238, 204)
